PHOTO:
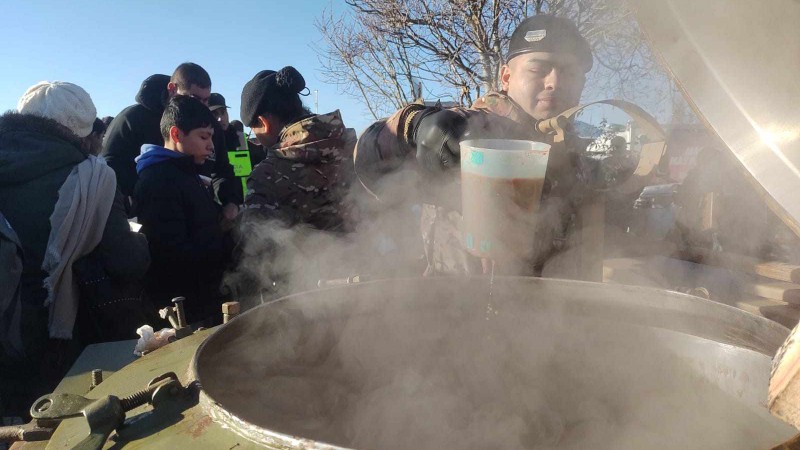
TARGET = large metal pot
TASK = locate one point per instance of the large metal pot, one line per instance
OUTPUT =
(439, 363)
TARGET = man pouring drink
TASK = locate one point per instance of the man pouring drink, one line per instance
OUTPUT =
(502, 154)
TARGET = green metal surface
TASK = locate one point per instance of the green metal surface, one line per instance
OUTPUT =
(108, 357)
(178, 425)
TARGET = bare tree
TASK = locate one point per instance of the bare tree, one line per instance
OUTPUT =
(367, 66)
(389, 53)
(392, 52)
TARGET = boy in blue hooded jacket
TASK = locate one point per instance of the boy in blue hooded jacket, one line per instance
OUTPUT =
(178, 214)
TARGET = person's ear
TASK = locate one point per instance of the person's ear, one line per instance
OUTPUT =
(505, 76)
(175, 134)
(264, 123)
(172, 89)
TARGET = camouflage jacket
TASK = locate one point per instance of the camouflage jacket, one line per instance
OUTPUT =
(305, 177)
(387, 146)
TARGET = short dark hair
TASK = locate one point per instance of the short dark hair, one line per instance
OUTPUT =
(187, 113)
(188, 74)
(99, 127)
(286, 106)
(237, 125)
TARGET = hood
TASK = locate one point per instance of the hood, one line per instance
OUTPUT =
(154, 154)
(736, 63)
(153, 91)
(316, 138)
(33, 146)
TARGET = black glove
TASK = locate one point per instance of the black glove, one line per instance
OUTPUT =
(437, 136)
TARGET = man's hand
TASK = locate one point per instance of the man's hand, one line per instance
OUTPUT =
(437, 137)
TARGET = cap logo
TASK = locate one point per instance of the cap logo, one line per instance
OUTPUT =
(535, 36)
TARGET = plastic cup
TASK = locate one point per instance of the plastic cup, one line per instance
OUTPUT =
(501, 187)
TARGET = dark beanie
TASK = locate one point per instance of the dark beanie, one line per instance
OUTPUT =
(544, 33)
(268, 83)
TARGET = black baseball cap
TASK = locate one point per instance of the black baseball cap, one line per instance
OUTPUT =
(216, 101)
(546, 33)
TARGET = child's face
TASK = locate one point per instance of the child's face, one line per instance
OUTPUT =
(197, 144)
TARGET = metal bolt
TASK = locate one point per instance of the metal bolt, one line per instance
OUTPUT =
(179, 313)
(97, 378)
(137, 399)
(169, 314)
(229, 311)
(144, 396)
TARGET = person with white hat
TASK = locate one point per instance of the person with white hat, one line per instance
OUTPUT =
(63, 204)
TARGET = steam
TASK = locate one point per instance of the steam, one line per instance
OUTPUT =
(372, 369)
(393, 372)
(276, 260)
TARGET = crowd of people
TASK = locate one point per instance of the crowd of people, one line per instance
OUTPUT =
(174, 163)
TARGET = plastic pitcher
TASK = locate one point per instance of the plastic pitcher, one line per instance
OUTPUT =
(501, 187)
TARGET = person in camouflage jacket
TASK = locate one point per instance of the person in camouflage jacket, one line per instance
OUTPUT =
(544, 76)
(297, 195)
(306, 175)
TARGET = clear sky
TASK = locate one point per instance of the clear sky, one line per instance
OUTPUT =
(109, 46)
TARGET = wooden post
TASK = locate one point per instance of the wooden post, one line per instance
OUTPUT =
(784, 382)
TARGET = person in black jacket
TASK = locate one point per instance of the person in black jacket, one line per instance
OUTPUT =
(225, 140)
(41, 145)
(139, 124)
(216, 103)
(241, 156)
(178, 214)
(136, 125)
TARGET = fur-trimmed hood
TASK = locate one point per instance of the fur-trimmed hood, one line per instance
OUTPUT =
(33, 146)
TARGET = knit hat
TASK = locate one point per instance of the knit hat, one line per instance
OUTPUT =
(544, 33)
(268, 83)
(66, 103)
